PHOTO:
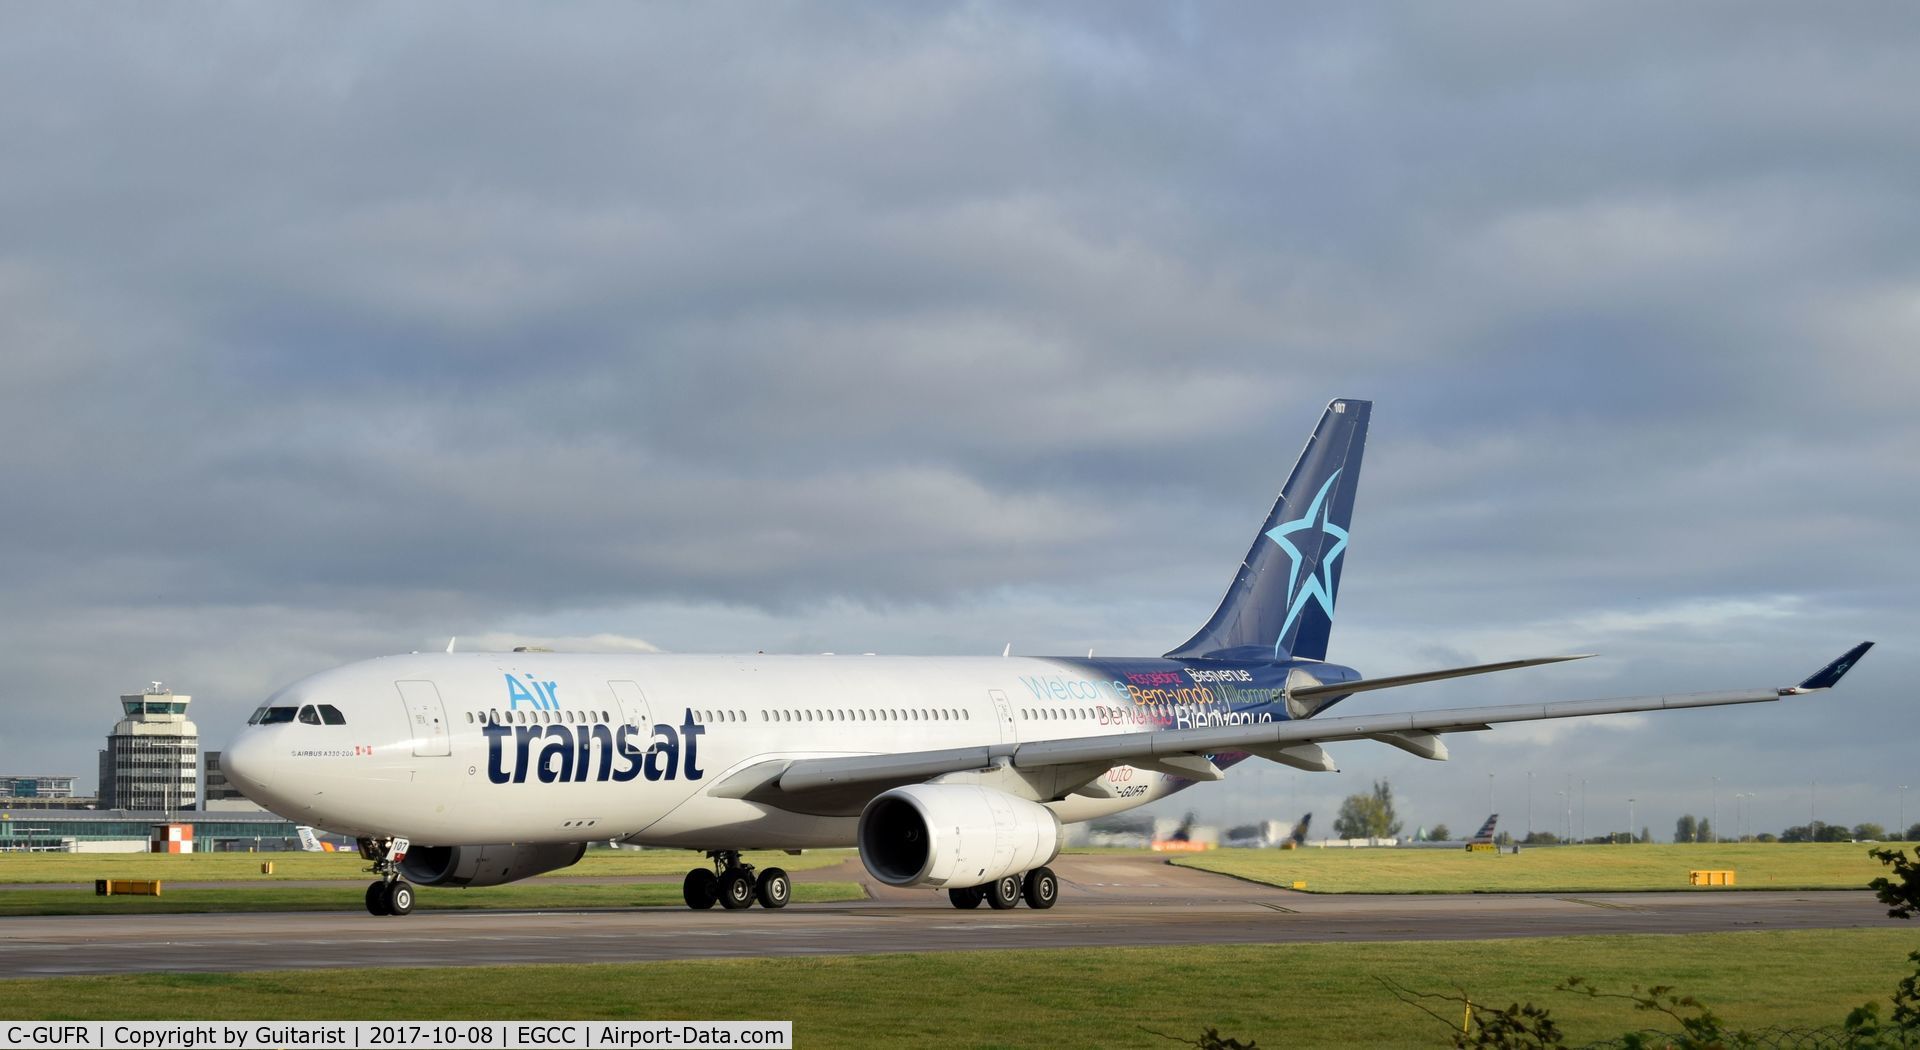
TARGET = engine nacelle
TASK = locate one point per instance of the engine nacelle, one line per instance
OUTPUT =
(955, 835)
(486, 865)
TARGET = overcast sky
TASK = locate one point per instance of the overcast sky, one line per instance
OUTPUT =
(330, 331)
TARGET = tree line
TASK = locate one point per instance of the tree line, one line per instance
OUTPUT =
(1370, 815)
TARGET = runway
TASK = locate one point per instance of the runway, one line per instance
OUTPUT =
(1105, 901)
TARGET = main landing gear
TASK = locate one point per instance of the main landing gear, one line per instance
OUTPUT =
(1040, 888)
(389, 894)
(732, 884)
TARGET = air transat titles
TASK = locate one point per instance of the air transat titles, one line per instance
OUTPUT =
(579, 753)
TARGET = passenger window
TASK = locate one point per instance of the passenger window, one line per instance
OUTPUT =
(331, 715)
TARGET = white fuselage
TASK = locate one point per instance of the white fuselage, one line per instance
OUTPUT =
(473, 748)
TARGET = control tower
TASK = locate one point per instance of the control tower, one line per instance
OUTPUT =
(153, 754)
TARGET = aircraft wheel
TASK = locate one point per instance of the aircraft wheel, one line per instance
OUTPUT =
(1004, 893)
(399, 897)
(967, 898)
(377, 899)
(736, 890)
(774, 888)
(700, 889)
(1041, 888)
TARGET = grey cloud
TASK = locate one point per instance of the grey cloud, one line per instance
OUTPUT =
(332, 330)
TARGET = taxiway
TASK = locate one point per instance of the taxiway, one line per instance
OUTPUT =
(1105, 901)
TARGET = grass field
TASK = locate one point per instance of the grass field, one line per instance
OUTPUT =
(1557, 869)
(348, 898)
(1307, 995)
(203, 867)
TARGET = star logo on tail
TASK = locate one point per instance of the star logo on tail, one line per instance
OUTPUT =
(1318, 584)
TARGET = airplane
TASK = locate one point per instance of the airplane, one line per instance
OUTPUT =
(1267, 835)
(474, 769)
(1181, 840)
(310, 842)
(1481, 839)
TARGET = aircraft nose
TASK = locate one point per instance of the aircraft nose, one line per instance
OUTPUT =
(246, 761)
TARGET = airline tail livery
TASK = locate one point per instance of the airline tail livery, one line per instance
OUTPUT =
(475, 769)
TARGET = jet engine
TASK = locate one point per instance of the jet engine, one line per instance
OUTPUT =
(954, 835)
(486, 865)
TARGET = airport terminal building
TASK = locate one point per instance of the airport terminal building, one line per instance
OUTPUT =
(132, 831)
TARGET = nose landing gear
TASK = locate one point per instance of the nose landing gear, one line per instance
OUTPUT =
(389, 894)
(732, 884)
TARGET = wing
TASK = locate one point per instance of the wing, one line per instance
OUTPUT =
(1052, 769)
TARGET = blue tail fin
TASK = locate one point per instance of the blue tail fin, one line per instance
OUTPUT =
(1281, 602)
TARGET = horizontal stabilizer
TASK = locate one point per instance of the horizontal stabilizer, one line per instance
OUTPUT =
(1395, 681)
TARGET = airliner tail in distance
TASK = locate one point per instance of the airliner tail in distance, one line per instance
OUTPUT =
(311, 842)
(1482, 839)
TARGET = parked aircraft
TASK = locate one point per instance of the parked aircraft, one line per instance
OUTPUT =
(311, 842)
(1482, 838)
(475, 769)
(1268, 834)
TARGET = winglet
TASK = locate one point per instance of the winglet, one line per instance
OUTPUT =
(1829, 676)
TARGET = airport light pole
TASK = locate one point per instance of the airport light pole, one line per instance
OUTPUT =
(1716, 809)
(1903, 810)
(1583, 808)
(1630, 831)
(1489, 792)
(1529, 803)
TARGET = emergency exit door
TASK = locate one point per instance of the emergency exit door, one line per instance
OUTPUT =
(633, 704)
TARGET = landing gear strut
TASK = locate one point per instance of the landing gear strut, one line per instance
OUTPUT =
(389, 894)
(731, 884)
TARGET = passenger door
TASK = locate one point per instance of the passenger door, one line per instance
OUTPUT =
(426, 717)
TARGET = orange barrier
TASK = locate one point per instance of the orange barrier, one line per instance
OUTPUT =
(126, 887)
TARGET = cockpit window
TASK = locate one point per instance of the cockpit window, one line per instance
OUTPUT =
(277, 715)
(308, 716)
(331, 715)
(257, 716)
